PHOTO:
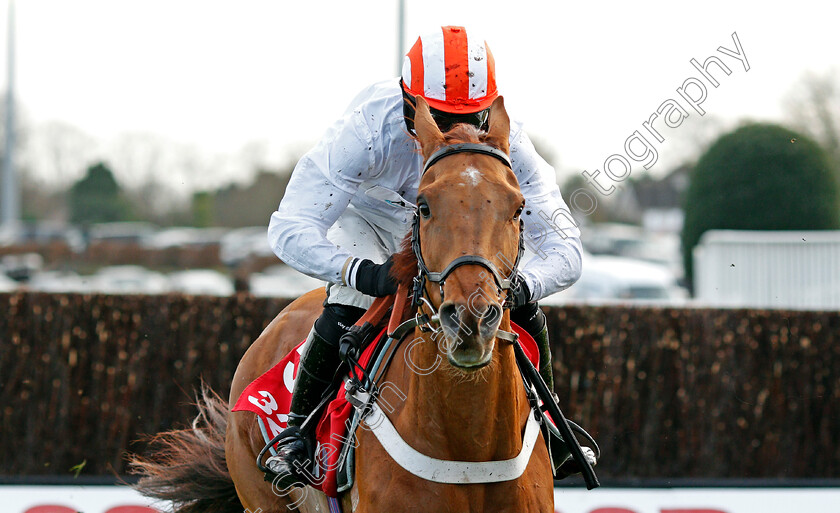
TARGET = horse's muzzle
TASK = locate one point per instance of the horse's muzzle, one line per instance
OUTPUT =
(470, 332)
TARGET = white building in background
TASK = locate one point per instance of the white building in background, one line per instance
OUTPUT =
(768, 269)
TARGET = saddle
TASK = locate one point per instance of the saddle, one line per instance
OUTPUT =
(356, 395)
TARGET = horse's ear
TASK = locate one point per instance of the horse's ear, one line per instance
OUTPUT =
(428, 133)
(499, 132)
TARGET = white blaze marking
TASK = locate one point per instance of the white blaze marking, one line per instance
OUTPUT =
(471, 175)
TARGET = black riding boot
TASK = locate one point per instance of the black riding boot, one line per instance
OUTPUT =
(315, 372)
(532, 319)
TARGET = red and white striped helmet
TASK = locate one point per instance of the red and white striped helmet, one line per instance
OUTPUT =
(454, 72)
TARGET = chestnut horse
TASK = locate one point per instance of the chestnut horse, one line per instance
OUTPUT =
(472, 407)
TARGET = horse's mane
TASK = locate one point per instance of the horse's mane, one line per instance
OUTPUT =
(405, 262)
(464, 133)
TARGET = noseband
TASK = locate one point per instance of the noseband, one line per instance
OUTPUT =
(502, 283)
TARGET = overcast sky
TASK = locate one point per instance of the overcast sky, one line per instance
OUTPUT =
(583, 76)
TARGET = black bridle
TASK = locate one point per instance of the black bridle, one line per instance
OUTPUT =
(502, 283)
(532, 377)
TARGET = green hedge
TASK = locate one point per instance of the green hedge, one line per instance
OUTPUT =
(667, 392)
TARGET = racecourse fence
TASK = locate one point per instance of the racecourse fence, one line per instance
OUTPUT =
(667, 392)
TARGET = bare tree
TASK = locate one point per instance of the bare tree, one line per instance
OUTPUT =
(58, 153)
(144, 163)
(813, 106)
(138, 157)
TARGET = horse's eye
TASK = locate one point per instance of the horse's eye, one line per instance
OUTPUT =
(518, 213)
(424, 209)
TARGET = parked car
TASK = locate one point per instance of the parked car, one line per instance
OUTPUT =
(21, 267)
(243, 243)
(45, 233)
(631, 241)
(58, 281)
(282, 281)
(183, 237)
(610, 279)
(7, 284)
(126, 232)
(128, 279)
(201, 282)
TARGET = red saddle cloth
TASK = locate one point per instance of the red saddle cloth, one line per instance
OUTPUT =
(270, 395)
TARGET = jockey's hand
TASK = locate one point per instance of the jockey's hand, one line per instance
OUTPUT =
(519, 293)
(375, 279)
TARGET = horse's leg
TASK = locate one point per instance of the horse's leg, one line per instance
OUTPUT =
(243, 438)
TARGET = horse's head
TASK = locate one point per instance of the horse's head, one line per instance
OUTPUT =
(467, 230)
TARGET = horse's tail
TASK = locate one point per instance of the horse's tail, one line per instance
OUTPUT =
(187, 466)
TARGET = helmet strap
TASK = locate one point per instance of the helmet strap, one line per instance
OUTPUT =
(409, 109)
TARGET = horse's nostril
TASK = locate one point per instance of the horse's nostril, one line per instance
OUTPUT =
(490, 319)
(494, 312)
(448, 313)
(450, 318)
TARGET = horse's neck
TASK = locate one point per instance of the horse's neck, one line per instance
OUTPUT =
(475, 416)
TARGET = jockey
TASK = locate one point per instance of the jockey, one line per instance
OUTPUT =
(328, 227)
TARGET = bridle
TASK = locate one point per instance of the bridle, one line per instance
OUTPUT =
(502, 283)
(539, 396)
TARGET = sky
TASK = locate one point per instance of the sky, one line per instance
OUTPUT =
(261, 80)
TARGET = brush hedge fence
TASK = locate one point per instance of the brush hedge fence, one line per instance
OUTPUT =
(667, 392)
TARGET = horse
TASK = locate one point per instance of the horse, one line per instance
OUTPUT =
(468, 405)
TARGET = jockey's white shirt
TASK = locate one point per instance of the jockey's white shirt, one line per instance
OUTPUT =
(370, 146)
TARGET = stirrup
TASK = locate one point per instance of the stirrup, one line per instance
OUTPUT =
(571, 467)
(284, 468)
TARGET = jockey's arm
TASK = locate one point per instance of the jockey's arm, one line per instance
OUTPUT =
(322, 185)
(551, 234)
